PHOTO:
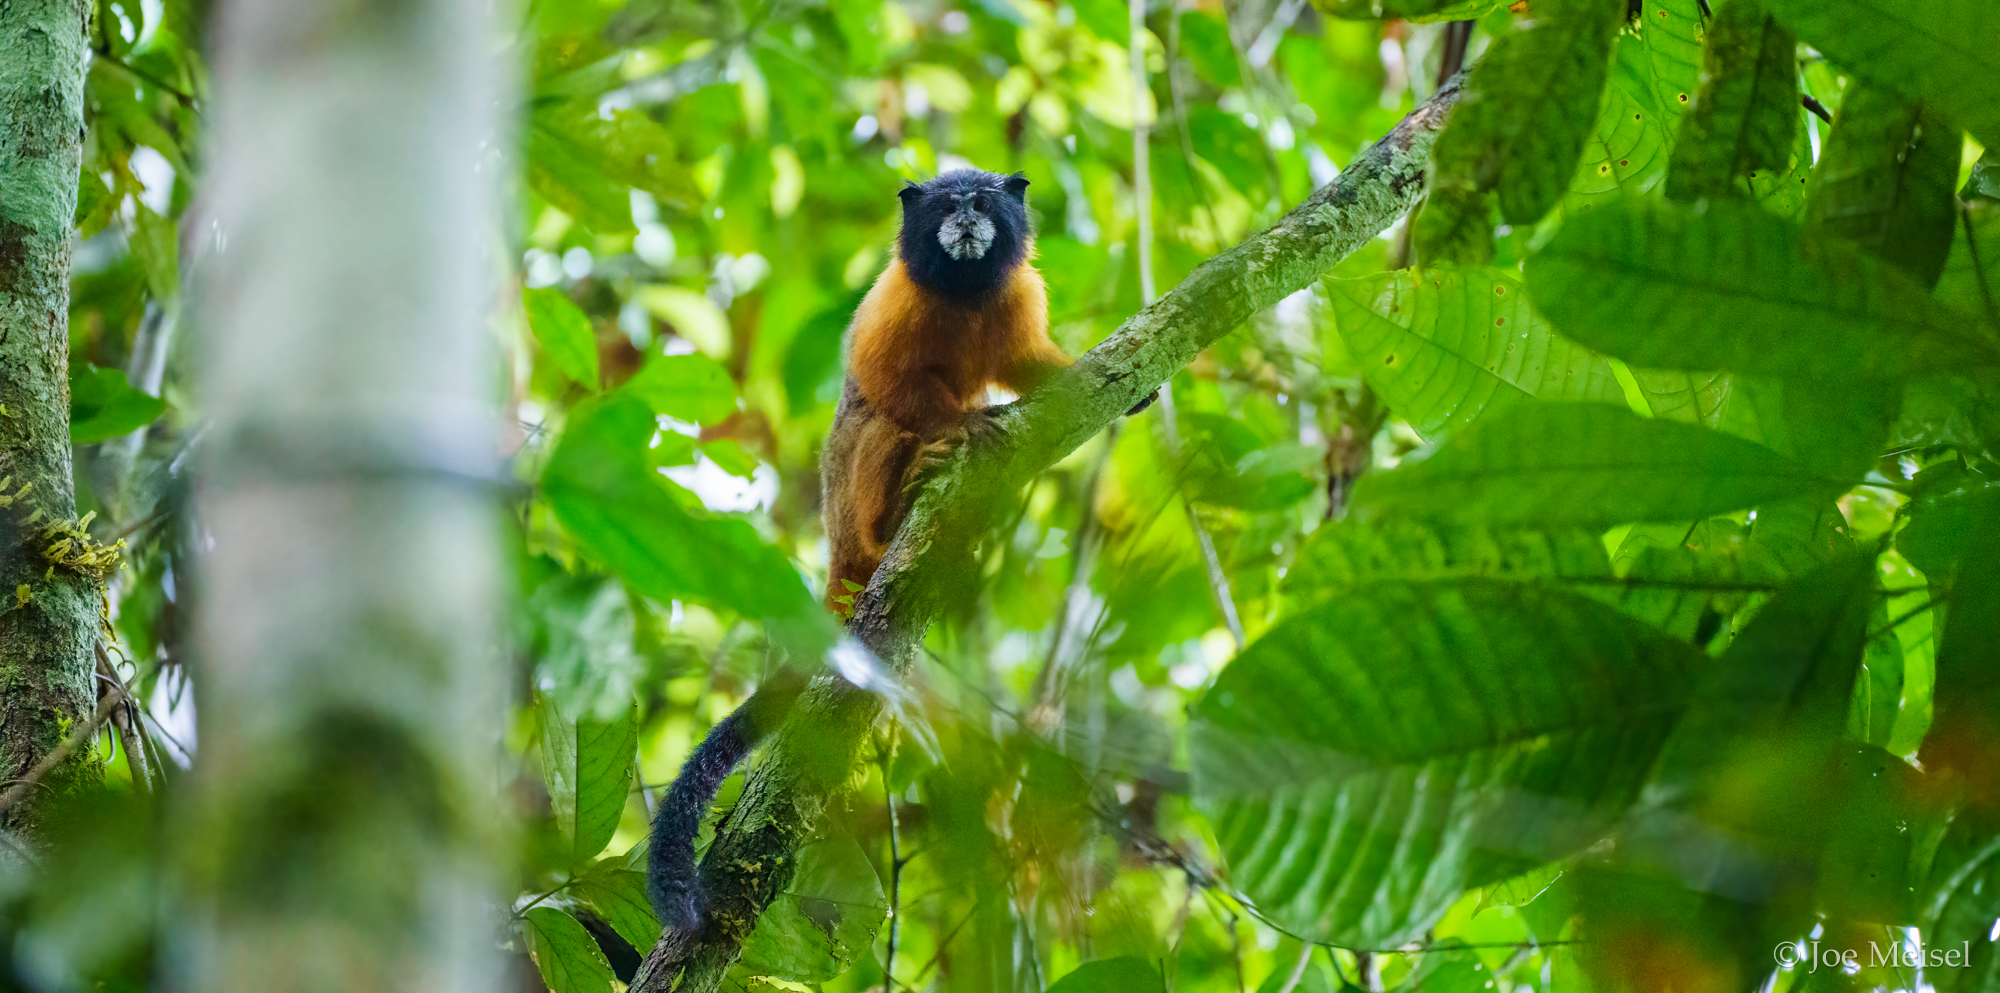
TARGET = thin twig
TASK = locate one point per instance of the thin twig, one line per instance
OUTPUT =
(1819, 109)
(62, 751)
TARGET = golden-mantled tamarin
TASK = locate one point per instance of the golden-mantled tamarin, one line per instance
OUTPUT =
(957, 310)
(960, 308)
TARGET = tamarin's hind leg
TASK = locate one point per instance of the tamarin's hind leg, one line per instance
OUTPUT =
(863, 469)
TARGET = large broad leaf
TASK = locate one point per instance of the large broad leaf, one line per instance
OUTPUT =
(1945, 53)
(825, 921)
(1584, 464)
(1690, 580)
(1367, 759)
(1886, 181)
(1446, 344)
(587, 766)
(586, 163)
(1728, 286)
(564, 332)
(102, 405)
(1780, 691)
(1654, 71)
(1354, 553)
(1747, 112)
(1529, 106)
(607, 497)
(565, 952)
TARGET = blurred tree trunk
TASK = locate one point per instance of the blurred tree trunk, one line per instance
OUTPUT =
(48, 616)
(339, 834)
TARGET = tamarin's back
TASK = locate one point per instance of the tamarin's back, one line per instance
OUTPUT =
(958, 310)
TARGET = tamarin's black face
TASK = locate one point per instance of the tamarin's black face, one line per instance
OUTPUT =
(965, 231)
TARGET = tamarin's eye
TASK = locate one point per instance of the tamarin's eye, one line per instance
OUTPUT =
(983, 202)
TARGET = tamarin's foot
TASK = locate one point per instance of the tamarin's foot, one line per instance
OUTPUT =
(1143, 404)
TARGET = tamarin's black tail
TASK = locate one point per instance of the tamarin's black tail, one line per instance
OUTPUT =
(673, 882)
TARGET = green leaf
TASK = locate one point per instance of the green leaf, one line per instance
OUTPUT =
(1865, 868)
(1971, 279)
(1691, 580)
(1409, 10)
(1783, 685)
(1949, 506)
(564, 332)
(1885, 181)
(1583, 464)
(1727, 286)
(618, 893)
(95, 203)
(1445, 345)
(1747, 112)
(619, 510)
(1940, 52)
(1959, 906)
(825, 921)
(1205, 44)
(1129, 974)
(586, 163)
(1361, 758)
(1967, 692)
(691, 387)
(1529, 107)
(1455, 225)
(1655, 67)
(567, 955)
(1353, 553)
(102, 405)
(587, 765)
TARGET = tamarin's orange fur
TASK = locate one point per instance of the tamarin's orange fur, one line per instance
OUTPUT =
(918, 364)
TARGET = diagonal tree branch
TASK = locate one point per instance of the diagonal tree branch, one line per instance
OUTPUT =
(931, 561)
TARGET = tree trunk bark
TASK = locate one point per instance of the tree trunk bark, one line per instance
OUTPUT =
(48, 613)
(339, 834)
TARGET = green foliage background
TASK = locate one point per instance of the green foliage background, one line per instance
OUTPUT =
(1661, 629)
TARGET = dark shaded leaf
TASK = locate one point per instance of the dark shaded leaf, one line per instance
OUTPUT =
(1584, 464)
(1783, 685)
(1747, 113)
(1971, 278)
(1455, 225)
(1351, 553)
(1885, 181)
(1358, 758)
(1728, 286)
(1529, 107)
(1940, 52)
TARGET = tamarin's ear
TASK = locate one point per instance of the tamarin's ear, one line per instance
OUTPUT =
(1017, 185)
(909, 189)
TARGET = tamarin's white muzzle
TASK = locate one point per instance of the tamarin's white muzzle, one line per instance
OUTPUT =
(966, 234)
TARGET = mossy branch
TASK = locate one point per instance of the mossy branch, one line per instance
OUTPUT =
(932, 561)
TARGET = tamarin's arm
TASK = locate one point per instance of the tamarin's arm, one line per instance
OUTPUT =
(673, 881)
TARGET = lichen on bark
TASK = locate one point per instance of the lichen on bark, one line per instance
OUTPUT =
(48, 617)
